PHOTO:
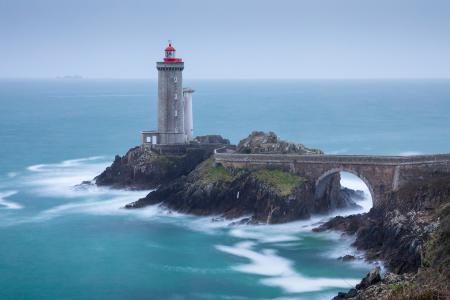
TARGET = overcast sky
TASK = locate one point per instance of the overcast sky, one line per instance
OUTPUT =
(227, 39)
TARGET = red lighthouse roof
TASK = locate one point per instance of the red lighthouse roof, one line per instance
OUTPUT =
(169, 48)
(170, 54)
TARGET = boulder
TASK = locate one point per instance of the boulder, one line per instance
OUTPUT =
(371, 278)
(268, 142)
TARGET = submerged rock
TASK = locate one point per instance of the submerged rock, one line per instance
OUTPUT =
(347, 257)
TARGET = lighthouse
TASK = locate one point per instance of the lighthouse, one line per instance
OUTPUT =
(175, 122)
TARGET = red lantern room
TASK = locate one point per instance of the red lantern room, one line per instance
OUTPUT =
(170, 54)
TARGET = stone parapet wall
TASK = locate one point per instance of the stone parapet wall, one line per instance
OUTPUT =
(382, 174)
(327, 159)
(181, 148)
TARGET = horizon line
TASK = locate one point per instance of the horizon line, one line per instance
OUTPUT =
(224, 78)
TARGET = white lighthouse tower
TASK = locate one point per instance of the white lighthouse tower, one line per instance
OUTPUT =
(188, 121)
(175, 122)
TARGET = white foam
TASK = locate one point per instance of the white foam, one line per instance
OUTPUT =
(264, 236)
(113, 206)
(339, 151)
(351, 181)
(279, 271)
(410, 153)
(60, 180)
(9, 204)
(211, 224)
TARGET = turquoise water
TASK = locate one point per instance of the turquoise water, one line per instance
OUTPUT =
(62, 242)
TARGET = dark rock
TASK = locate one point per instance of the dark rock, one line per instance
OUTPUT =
(347, 257)
(350, 224)
(142, 168)
(340, 296)
(371, 278)
(267, 195)
(268, 142)
(352, 293)
(330, 195)
(243, 221)
(212, 139)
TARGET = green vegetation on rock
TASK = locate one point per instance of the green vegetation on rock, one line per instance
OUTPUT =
(436, 251)
(284, 182)
(211, 173)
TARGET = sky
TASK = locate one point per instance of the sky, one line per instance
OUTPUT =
(232, 39)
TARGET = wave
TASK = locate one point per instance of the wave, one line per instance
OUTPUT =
(279, 271)
(63, 164)
(61, 179)
(9, 204)
(113, 206)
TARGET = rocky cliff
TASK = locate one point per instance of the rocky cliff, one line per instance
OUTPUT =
(264, 195)
(411, 234)
(144, 168)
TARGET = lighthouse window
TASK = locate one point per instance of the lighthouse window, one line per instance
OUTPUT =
(170, 54)
(175, 79)
(176, 96)
(176, 113)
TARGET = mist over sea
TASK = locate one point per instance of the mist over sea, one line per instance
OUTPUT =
(59, 241)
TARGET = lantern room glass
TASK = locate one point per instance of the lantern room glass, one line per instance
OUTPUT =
(170, 54)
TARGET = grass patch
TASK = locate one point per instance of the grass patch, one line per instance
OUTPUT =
(211, 173)
(395, 286)
(284, 182)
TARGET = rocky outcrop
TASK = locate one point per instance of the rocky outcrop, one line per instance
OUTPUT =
(268, 142)
(374, 287)
(142, 168)
(411, 234)
(212, 139)
(187, 182)
(265, 195)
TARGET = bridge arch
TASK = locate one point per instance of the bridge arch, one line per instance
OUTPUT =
(333, 171)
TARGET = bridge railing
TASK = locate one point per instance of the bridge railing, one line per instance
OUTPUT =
(342, 159)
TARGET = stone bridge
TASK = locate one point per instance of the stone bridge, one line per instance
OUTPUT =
(381, 174)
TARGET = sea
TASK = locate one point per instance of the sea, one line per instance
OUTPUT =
(62, 241)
